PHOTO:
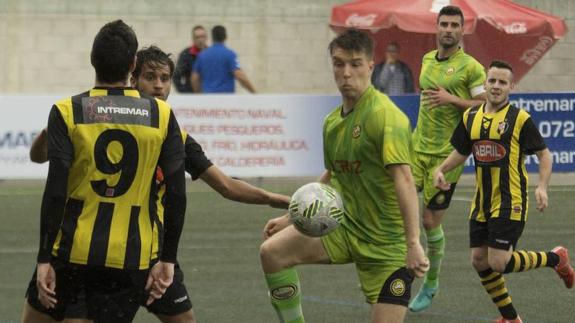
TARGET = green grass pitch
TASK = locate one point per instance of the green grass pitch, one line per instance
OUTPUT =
(219, 255)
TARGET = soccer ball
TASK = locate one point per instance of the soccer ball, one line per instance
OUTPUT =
(316, 209)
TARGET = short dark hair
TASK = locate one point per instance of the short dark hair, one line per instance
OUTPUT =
(154, 56)
(196, 27)
(113, 51)
(501, 64)
(353, 40)
(219, 34)
(451, 11)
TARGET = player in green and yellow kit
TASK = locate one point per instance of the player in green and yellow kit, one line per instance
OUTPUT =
(367, 159)
(451, 81)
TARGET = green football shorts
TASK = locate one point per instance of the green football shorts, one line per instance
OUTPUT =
(422, 167)
(380, 268)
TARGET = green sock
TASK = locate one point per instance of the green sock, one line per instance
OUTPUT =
(285, 295)
(435, 252)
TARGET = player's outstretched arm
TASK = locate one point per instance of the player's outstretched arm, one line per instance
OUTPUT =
(240, 191)
(407, 197)
(453, 160)
(39, 148)
(545, 167)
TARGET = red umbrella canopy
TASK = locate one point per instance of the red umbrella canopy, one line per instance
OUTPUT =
(493, 29)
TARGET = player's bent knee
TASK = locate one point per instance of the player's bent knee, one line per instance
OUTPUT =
(428, 223)
(266, 251)
(479, 261)
(432, 218)
(271, 255)
(498, 265)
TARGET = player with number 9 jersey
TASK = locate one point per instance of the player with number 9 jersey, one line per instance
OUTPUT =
(96, 258)
(112, 137)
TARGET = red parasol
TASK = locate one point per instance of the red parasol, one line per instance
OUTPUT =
(493, 29)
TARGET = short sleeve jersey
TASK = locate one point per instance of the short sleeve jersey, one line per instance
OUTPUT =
(459, 74)
(499, 142)
(358, 148)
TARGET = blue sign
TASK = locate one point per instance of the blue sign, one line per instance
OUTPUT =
(553, 113)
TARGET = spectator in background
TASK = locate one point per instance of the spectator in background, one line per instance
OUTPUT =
(392, 76)
(217, 67)
(380, 228)
(183, 71)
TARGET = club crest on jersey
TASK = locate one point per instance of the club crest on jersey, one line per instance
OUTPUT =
(356, 131)
(488, 151)
(397, 287)
(502, 127)
(450, 71)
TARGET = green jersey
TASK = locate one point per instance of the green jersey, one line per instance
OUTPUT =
(357, 149)
(459, 74)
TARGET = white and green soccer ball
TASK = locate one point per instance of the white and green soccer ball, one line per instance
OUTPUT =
(316, 209)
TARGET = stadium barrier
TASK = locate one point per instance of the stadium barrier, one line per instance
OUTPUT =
(268, 135)
(553, 114)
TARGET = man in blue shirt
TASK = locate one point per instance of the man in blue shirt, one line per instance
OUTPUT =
(217, 67)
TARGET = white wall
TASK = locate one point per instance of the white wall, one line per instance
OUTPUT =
(281, 44)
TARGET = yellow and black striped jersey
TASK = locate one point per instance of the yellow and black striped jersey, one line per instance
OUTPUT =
(114, 139)
(499, 142)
